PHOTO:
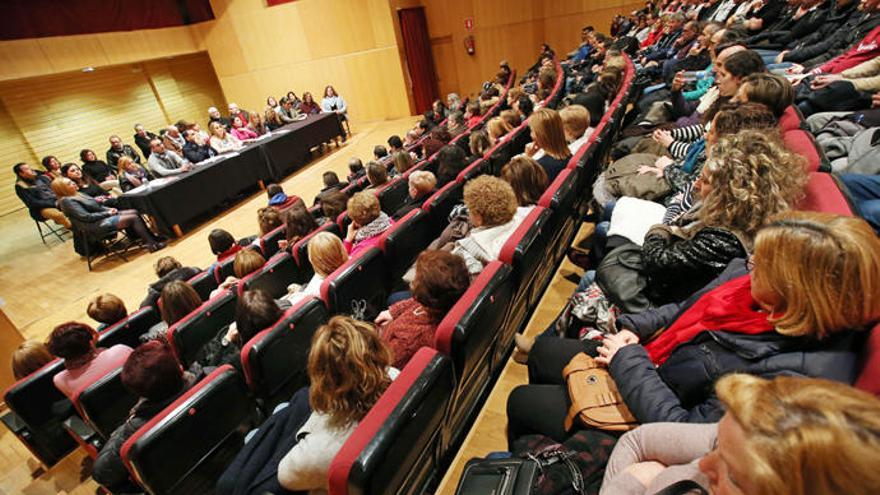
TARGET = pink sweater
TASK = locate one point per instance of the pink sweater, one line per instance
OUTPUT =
(243, 133)
(70, 382)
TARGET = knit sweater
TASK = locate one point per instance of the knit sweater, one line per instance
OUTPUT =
(411, 327)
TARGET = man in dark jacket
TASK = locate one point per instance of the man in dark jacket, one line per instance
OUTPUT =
(142, 138)
(825, 45)
(35, 192)
(168, 269)
(152, 373)
(118, 150)
(331, 183)
(196, 151)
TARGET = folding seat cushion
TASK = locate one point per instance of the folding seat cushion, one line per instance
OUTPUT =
(196, 329)
(300, 252)
(526, 252)
(468, 333)
(129, 330)
(359, 288)
(105, 403)
(825, 194)
(223, 270)
(185, 448)
(274, 277)
(394, 194)
(204, 283)
(560, 199)
(39, 412)
(439, 205)
(269, 242)
(478, 167)
(800, 142)
(275, 360)
(396, 447)
(869, 377)
(402, 243)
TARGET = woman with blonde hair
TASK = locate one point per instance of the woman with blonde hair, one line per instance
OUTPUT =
(798, 306)
(403, 161)
(131, 174)
(349, 369)
(223, 141)
(257, 124)
(29, 357)
(246, 261)
(326, 254)
(497, 129)
(789, 435)
(548, 135)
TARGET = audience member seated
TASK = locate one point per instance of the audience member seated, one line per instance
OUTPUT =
(799, 306)
(51, 167)
(402, 160)
(214, 116)
(379, 153)
(254, 312)
(308, 106)
(83, 363)
(478, 144)
(491, 205)
(298, 223)
(278, 198)
(368, 222)
(455, 123)
(451, 160)
(153, 374)
(326, 254)
(349, 369)
(241, 131)
(223, 245)
(331, 184)
(118, 150)
(165, 163)
(786, 435)
(35, 191)
(177, 299)
(257, 124)
(332, 205)
(107, 309)
(246, 261)
(268, 219)
(222, 141)
(528, 180)
(356, 169)
(438, 112)
(472, 115)
(497, 129)
(454, 103)
(410, 138)
(524, 106)
(437, 139)
(95, 220)
(28, 357)
(85, 186)
(142, 138)
(440, 280)
(196, 149)
(377, 175)
(422, 184)
(395, 144)
(131, 174)
(576, 125)
(97, 171)
(511, 117)
(168, 269)
(548, 136)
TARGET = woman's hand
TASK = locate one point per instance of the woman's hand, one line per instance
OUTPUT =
(229, 282)
(678, 81)
(648, 169)
(384, 318)
(113, 211)
(531, 149)
(282, 244)
(352, 230)
(232, 333)
(612, 343)
(824, 80)
(663, 137)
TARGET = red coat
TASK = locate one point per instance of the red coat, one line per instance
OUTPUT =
(410, 329)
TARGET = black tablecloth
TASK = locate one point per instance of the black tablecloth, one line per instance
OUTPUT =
(197, 192)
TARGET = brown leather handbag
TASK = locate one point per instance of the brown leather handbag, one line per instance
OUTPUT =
(595, 399)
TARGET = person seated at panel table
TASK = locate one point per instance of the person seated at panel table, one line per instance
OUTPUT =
(356, 169)
(165, 163)
(331, 183)
(173, 139)
(257, 123)
(332, 102)
(51, 167)
(422, 183)
(377, 175)
(106, 309)
(74, 173)
(97, 171)
(203, 135)
(168, 269)
(286, 112)
(308, 106)
(153, 374)
(74, 342)
(273, 119)
(118, 149)
(196, 148)
(142, 138)
(241, 131)
(214, 116)
(223, 141)
(28, 357)
(234, 112)
(96, 220)
(440, 280)
(297, 103)
(132, 175)
(35, 192)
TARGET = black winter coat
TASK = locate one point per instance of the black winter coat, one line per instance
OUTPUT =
(682, 388)
(155, 290)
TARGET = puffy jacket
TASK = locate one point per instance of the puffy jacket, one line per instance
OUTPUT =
(154, 291)
(681, 389)
(37, 196)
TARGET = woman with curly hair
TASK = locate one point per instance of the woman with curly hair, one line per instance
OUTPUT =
(491, 205)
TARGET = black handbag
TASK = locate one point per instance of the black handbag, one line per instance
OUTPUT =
(519, 475)
(621, 277)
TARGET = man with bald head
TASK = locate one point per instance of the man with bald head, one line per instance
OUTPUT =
(214, 116)
(173, 140)
(118, 150)
(234, 112)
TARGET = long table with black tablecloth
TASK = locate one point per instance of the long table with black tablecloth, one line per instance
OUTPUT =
(207, 186)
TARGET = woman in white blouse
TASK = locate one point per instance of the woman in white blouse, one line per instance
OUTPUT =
(222, 141)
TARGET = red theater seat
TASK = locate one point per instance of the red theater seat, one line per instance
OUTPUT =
(393, 195)
(269, 242)
(204, 283)
(402, 243)
(439, 205)
(560, 199)
(105, 403)
(193, 331)
(278, 273)
(359, 288)
(825, 194)
(526, 252)
(129, 330)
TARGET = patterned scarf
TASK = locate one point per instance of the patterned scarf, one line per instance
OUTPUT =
(374, 228)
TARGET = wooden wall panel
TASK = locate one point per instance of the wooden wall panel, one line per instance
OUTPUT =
(186, 87)
(13, 149)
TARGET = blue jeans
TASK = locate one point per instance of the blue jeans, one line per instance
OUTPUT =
(865, 193)
(769, 56)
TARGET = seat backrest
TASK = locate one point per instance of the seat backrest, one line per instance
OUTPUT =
(395, 448)
(440, 204)
(274, 277)
(402, 243)
(129, 330)
(188, 445)
(560, 199)
(223, 270)
(869, 376)
(359, 288)
(824, 194)
(526, 251)
(275, 360)
(43, 408)
(800, 142)
(478, 167)
(269, 242)
(105, 403)
(204, 283)
(300, 251)
(393, 195)
(193, 331)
